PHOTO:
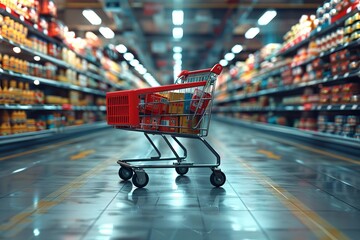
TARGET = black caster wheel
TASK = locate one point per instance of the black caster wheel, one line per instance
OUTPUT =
(217, 178)
(140, 180)
(182, 170)
(125, 173)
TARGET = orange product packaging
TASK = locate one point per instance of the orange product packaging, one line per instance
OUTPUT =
(188, 123)
(169, 124)
(199, 101)
(176, 102)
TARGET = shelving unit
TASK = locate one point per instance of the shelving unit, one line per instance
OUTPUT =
(265, 99)
(89, 82)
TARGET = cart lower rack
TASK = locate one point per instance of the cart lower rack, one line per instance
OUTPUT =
(180, 110)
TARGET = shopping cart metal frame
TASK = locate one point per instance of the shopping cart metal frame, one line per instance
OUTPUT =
(204, 79)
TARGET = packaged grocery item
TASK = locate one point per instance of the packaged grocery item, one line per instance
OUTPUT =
(150, 123)
(199, 101)
(176, 102)
(169, 124)
(189, 124)
(153, 103)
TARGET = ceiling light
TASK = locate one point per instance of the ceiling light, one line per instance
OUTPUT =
(151, 80)
(229, 56)
(140, 69)
(178, 17)
(17, 50)
(92, 17)
(177, 56)
(252, 32)
(224, 62)
(121, 48)
(128, 56)
(237, 48)
(267, 17)
(178, 32)
(91, 35)
(37, 58)
(177, 49)
(134, 62)
(107, 32)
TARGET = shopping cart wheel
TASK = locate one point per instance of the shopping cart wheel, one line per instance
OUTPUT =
(217, 178)
(140, 179)
(182, 170)
(125, 173)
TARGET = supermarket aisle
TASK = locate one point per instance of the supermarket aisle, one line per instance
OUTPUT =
(274, 190)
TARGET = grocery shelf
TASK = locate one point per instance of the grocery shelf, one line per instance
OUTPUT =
(47, 107)
(326, 80)
(290, 108)
(318, 32)
(60, 62)
(294, 132)
(49, 82)
(352, 44)
(34, 30)
(31, 136)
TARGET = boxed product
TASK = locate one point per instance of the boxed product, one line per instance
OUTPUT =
(169, 124)
(154, 103)
(199, 101)
(176, 102)
(150, 123)
(187, 102)
(188, 123)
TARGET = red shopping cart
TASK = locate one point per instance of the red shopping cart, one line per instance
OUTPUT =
(180, 110)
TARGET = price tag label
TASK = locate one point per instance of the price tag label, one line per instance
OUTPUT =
(22, 18)
(342, 107)
(346, 44)
(35, 26)
(346, 75)
(329, 107)
(354, 107)
(318, 107)
(322, 54)
(336, 77)
(8, 9)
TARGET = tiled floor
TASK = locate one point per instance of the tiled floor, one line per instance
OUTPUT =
(273, 191)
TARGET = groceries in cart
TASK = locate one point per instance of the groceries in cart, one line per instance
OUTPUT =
(182, 110)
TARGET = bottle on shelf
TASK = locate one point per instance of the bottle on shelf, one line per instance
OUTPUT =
(5, 91)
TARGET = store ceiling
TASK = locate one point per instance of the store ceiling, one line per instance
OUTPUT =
(211, 27)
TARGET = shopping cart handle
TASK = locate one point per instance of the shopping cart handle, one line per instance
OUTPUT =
(215, 69)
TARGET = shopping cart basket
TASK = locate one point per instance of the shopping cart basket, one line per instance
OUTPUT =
(179, 110)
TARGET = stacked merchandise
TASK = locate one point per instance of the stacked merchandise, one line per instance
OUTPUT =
(174, 112)
(312, 81)
(48, 78)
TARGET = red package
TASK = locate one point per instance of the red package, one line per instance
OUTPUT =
(150, 123)
(154, 103)
(199, 101)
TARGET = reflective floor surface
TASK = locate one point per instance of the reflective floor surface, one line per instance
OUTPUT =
(275, 189)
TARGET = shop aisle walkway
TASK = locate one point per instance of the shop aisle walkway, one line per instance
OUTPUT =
(275, 189)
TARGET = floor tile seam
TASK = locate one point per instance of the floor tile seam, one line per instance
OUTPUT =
(330, 194)
(46, 147)
(250, 212)
(50, 201)
(328, 230)
(308, 217)
(204, 237)
(101, 213)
